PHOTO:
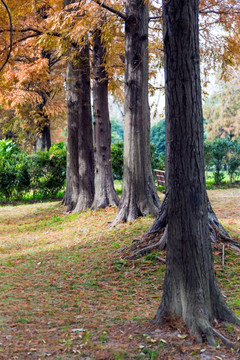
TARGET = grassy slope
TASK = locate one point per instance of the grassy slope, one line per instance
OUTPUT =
(67, 294)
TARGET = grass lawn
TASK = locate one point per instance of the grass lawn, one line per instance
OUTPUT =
(66, 293)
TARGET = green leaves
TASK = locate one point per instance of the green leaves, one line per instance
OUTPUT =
(43, 172)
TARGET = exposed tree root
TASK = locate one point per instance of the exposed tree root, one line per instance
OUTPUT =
(156, 237)
(223, 338)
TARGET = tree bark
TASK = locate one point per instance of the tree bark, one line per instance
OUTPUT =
(139, 195)
(190, 288)
(80, 166)
(104, 189)
(85, 135)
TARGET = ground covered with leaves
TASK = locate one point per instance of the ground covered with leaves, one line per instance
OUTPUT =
(66, 292)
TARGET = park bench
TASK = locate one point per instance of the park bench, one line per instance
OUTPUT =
(160, 177)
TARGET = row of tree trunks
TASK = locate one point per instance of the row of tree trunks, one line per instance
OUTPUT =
(139, 196)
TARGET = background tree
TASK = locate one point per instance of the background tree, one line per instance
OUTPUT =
(222, 109)
(80, 163)
(139, 195)
(104, 189)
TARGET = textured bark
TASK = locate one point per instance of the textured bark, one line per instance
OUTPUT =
(190, 288)
(104, 189)
(80, 172)
(139, 195)
(66, 201)
(80, 164)
(85, 135)
(73, 98)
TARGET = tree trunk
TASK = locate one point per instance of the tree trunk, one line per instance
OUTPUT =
(139, 195)
(44, 139)
(80, 167)
(104, 189)
(85, 135)
(66, 201)
(190, 288)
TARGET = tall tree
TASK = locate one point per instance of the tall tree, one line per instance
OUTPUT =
(190, 287)
(80, 161)
(104, 189)
(139, 195)
(80, 167)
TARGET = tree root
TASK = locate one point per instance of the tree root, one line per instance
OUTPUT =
(223, 338)
(159, 245)
(156, 237)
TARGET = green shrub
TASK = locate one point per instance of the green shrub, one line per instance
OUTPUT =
(43, 172)
(157, 160)
(14, 174)
(48, 170)
(117, 160)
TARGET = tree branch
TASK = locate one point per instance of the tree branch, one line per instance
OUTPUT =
(151, 18)
(112, 10)
(21, 30)
(11, 35)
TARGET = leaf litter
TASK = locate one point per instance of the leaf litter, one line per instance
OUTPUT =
(66, 293)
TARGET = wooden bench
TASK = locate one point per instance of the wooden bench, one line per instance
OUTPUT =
(160, 177)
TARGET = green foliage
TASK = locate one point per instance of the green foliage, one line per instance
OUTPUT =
(222, 154)
(233, 160)
(14, 176)
(158, 136)
(43, 172)
(116, 131)
(157, 160)
(117, 160)
(48, 170)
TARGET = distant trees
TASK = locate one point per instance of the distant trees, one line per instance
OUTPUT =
(158, 136)
(222, 109)
(223, 154)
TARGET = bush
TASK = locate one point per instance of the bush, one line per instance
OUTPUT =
(43, 172)
(157, 161)
(14, 174)
(48, 170)
(117, 160)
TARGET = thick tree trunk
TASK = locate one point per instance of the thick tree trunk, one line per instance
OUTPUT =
(85, 135)
(73, 99)
(190, 288)
(104, 189)
(139, 193)
(80, 173)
